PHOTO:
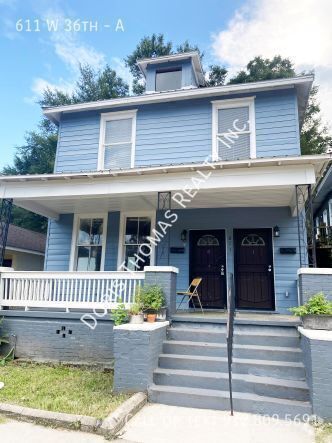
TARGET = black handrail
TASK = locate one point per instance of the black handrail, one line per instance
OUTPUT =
(230, 334)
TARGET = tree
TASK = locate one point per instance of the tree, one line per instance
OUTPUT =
(315, 137)
(216, 76)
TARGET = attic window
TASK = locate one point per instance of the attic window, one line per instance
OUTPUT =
(168, 79)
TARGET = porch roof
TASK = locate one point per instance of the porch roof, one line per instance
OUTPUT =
(256, 182)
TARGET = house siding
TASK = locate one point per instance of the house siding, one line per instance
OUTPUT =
(180, 132)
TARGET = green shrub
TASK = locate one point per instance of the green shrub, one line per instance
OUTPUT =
(120, 314)
(151, 298)
(316, 305)
(135, 309)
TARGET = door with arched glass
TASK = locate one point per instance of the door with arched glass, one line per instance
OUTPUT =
(253, 269)
(208, 261)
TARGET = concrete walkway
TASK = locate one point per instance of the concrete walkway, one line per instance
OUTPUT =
(160, 423)
(12, 431)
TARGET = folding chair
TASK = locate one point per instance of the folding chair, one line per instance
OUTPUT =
(192, 292)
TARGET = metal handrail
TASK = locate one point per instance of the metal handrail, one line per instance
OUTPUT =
(230, 334)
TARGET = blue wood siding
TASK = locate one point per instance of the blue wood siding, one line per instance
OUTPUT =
(180, 132)
(285, 266)
(58, 245)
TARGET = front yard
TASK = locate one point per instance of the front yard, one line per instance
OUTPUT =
(59, 388)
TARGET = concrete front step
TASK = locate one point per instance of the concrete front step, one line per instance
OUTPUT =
(240, 351)
(279, 369)
(214, 399)
(285, 337)
(266, 386)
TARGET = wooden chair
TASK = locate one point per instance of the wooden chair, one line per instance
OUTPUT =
(192, 292)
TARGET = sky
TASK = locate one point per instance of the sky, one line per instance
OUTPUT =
(230, 32)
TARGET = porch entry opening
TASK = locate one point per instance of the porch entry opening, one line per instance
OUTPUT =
(253, 266)
(207, 251)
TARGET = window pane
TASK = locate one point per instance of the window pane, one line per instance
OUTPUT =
(118, 156)
(131, 230)
(132, 263)
(84, 231)
(118, 131)
(168, 80)
(144, 229)
(97, 231)
(233, 119)
(236, 147)
(88, 258)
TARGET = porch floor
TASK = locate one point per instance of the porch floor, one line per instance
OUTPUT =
(263, 318)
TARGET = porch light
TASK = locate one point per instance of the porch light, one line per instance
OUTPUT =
(184, 236)
(276, 231)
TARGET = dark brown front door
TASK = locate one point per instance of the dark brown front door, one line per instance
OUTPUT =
(254, 285)
(208, 261)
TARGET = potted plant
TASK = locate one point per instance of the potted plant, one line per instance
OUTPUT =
(152, 299)
(316, 313)
(119, 314)
(136, 314)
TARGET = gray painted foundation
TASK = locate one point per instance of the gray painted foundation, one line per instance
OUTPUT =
(136, 352)
(59, 337)
(312, 281)
(317, 350)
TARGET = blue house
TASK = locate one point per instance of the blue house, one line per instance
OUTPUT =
(183, 181)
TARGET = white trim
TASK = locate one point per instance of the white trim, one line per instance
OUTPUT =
(123, 217)
(322, 271)
(77, 218)
(161, 269)
(330, 211)
(26, 251)
(54, 113)
(116, 115)
(228, 104)
(325, 217)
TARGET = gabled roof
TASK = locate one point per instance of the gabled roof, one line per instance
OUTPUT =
(302, 84)
(24, 239)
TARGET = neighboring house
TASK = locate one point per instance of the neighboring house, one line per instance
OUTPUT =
(183, 181)
(322, 205)
(25, 249)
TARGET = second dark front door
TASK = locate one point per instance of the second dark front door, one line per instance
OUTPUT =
(254, 281)
(208, 261)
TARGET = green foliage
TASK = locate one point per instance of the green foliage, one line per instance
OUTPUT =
(3, 338)
(265, 69)
(120, 314)
(135, 309)
(216, 75)
(92, 85)
(316, 305)
(150, 297)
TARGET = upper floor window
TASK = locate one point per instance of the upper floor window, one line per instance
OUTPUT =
(168, 79)
(233, 129)
(117, 140)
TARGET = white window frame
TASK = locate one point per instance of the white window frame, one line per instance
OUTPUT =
(325, 218)
(234, 103)
(76, 223)
(123, 218)
(109, 116)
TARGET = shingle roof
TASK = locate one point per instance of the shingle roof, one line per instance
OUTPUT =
(25, 239)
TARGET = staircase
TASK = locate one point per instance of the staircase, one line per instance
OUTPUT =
(268, 372)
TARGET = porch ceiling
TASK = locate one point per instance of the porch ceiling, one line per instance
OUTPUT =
(216, 198)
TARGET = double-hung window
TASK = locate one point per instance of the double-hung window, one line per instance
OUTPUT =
(89, 243)
(117, 140)
(137, 249)
(233, 129)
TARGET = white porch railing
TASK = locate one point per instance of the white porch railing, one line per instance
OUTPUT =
(80, 290)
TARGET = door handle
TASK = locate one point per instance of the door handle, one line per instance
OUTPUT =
(222, 270)
(269, 268)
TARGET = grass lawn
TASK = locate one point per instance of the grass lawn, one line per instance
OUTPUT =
(324, 433)
(59, 388)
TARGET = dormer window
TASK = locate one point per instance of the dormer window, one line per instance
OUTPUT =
(168, 79)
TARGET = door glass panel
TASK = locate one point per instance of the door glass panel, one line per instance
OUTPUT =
(252, 240)
(208, 240)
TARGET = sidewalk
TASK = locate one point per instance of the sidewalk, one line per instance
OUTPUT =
(160, 423)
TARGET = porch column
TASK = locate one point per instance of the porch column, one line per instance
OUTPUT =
(164, 276)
